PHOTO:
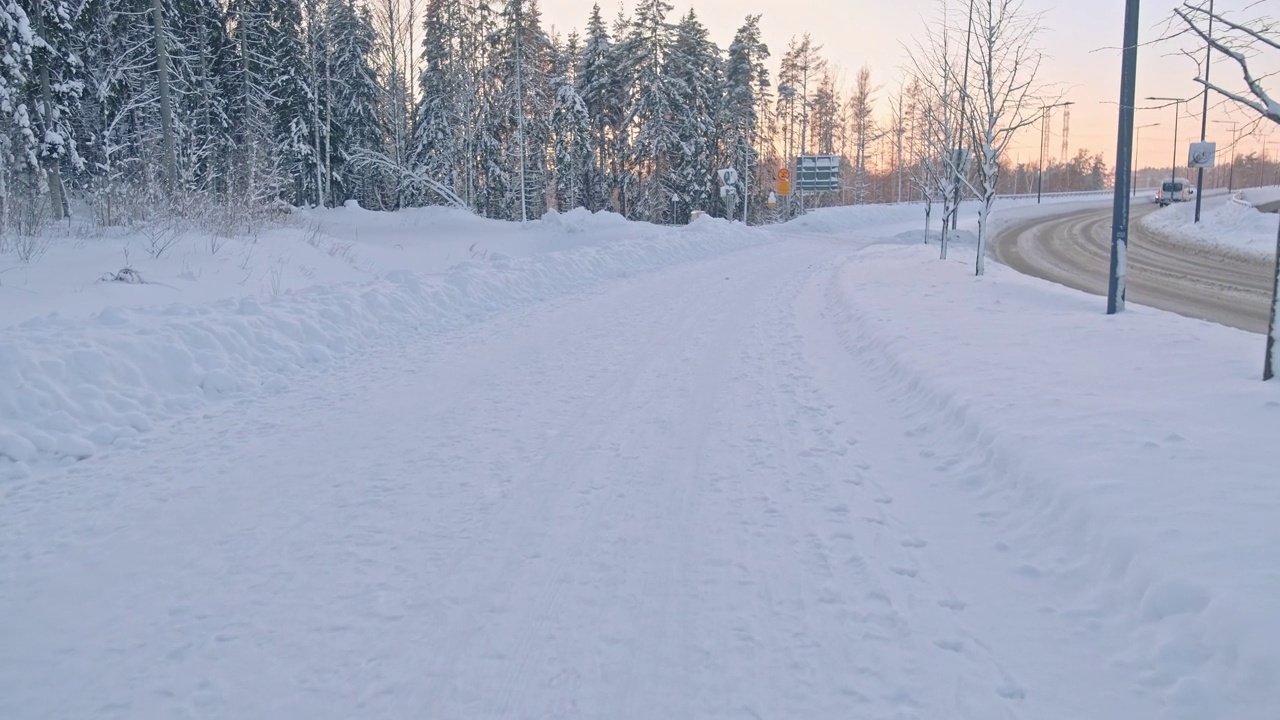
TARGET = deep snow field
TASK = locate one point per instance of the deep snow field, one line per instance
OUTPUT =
(420, 464)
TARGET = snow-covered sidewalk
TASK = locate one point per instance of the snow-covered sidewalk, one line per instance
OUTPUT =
(694, 473)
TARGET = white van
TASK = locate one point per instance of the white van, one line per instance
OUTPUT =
(1176, 190)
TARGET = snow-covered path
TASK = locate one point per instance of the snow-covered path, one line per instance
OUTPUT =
(686, 495)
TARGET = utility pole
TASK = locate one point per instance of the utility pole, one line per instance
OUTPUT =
(1204, 110)
(1124, 161)
(1137, 140)
(1177, 105)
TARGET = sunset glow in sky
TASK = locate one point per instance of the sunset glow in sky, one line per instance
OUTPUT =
(1081, 40)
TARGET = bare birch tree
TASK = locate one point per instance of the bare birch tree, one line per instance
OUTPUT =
(1250, 43)
(1005, 94)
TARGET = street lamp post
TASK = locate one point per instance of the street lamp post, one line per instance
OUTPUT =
(1231, 172)
(1040, 172)
(1204, 111)
(1177, 104)
(1137, 139)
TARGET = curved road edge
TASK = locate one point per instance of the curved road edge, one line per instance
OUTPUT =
(1074, 249)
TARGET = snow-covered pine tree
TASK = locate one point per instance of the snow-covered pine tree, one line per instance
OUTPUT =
(861, 108)
(350, 102)
(526, 104)
(203, 61)
(746, 87)
(18, 147)
(594, 83)
(51, 97)
(694, 69)
(444, 90)
(118, 123)
(490, 177)
(571, 131)
(293, 99)
(653, 108)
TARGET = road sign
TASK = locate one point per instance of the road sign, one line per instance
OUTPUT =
(784, 174)
(728, 176)
(773, 200)
(784, 187)
(818, 173)
(1201, 155)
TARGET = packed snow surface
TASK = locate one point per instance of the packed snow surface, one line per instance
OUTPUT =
(584, 468)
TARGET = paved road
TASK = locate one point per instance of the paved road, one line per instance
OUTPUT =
(1074, 250)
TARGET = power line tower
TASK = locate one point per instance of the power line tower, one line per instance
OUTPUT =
(1066, 130)
(1046, 136)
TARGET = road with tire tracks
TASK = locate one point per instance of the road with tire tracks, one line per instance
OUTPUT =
(1209, 283)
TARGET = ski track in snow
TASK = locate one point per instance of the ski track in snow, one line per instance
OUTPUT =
(690, 494)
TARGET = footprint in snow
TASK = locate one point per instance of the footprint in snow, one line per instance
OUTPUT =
(913, 543)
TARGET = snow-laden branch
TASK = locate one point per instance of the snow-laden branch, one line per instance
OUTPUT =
(1261, 102)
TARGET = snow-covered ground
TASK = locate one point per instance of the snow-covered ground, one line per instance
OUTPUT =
(1231, 223)
(424, 465)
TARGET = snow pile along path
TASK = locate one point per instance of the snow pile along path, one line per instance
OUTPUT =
(69, 387)
(1122, 467)
(1228, 224)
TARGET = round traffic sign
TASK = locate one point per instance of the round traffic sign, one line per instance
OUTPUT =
(784, 174)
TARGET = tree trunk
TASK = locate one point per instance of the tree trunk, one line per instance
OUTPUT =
(166, 111)
(53, 173)
(1268, 368)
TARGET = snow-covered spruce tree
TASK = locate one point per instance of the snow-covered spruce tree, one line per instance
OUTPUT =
(47, 103)
(293, 100)
(203, 62)
(393, 53)
(1005, 94)
(693, 66)
(571, 132)
(444, 90)
(118, 121)
(594, 82)
(653, 109)
(746, 88)
(350, 104)
(18, 147)
(492, 181)
(526, 104)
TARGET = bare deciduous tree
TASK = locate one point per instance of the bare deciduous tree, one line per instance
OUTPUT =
(1250, 43)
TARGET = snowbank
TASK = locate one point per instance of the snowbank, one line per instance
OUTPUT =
(905, 221)
(1234, 225)
(1132, 457)
(69, 387)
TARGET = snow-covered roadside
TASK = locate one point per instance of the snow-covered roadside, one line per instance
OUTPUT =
(69, 385)
(187, 263)
(1232, 224)
(906, 220)
(1132, 457)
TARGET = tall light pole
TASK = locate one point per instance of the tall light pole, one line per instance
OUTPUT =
(1137, 139)
(1204, 111)
(1231, 172)
(1040, 173)
(1177, 105)
(1124, 160)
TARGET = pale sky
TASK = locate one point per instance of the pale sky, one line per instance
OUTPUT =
(1080, 39)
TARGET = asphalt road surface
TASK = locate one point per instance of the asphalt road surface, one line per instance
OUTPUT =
(1075, 250)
